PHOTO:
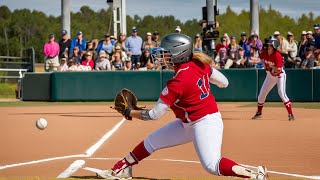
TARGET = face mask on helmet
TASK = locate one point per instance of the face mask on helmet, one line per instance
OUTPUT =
(163, 57)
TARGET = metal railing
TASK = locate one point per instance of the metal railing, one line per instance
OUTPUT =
(21, 73)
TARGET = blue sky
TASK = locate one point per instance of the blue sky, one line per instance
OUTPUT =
(181, 9)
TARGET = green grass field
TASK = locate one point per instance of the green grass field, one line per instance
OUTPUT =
(7, 90)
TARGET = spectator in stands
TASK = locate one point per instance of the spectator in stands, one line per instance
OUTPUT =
(95, 43)
(197, 43)
(177, 29)
(105, 45)
(88, 62)
(78, 41)
(283, 48)
(254, 60)
(117, 63)
(311, 44)
(156, 39)
(91, 49)
(133, 45)
(292, 50)
(146, 61)
(148, 43)
(76, 55)
(302, 44)
(113, 40)
(255, 42)
(51, 51)
(222, 60)
(223, 44)
(233, 47)
(63, 65)
(121, 42)
(122, 54)
(71, 65)
(309, 35)
(227, 38)
(309, 59)
(233, 55)
(242, 58)
(64, 44)
(102, 62)
(243, 40)
(317, 35)
(128, 65)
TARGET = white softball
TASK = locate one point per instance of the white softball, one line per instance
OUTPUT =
(41, 123)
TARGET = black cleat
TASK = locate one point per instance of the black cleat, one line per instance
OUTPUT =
(291, 117)
(257, 115)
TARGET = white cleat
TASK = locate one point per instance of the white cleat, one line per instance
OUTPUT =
(262, 173)
(122, 175)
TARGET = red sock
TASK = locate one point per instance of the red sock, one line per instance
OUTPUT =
(140, 151)
(225, 168)
(260, 106)
(288, 106)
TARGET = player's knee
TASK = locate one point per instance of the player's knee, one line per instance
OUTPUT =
(212, 167)
(149, 147)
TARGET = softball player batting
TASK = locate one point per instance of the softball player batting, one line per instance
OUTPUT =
(198, 119)
(275, 75)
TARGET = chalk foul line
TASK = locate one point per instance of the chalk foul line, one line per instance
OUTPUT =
(79, 163)
(72, 169)
(42, 160)
(98, 144)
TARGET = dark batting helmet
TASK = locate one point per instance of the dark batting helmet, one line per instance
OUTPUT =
(273, 41)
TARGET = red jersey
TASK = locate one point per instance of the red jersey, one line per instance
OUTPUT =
(275, 59)
(188, 92)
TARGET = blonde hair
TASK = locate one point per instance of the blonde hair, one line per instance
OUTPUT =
(203, 58)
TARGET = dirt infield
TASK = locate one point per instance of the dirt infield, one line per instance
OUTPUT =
(81, 133)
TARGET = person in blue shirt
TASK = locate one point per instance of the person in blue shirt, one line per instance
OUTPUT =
(78, 41)
(133, 45)
(106, 45)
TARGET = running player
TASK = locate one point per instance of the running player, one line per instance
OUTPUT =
(198, 118)
(275, 75)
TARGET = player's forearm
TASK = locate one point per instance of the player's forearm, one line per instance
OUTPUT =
(155, 113)
(218, 79)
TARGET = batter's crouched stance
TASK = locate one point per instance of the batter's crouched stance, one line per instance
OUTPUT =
(275, 75)
(198, 118)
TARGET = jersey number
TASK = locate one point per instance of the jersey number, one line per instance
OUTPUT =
(203, 87)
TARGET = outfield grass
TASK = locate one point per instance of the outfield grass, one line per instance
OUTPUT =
(7, 90)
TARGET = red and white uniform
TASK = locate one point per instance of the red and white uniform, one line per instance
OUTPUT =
(188, 93)
(275, 59)
(198, 119)
(273, 78)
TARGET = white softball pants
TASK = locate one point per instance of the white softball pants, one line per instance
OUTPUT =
(269, 83)
(206, 135)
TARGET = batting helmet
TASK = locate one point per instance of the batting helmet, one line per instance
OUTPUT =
(178, 47)
(273, 41)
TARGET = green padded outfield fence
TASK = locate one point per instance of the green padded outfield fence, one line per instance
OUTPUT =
(244, 85)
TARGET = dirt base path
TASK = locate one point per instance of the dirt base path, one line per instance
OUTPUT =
(73, 131)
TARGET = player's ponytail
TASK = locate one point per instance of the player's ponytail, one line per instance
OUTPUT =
(203, 58)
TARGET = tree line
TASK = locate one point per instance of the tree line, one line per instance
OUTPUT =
(26, 28)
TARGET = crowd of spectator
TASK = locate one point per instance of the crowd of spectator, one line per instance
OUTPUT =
(134, 53)
(109, 53)
(301, 53)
